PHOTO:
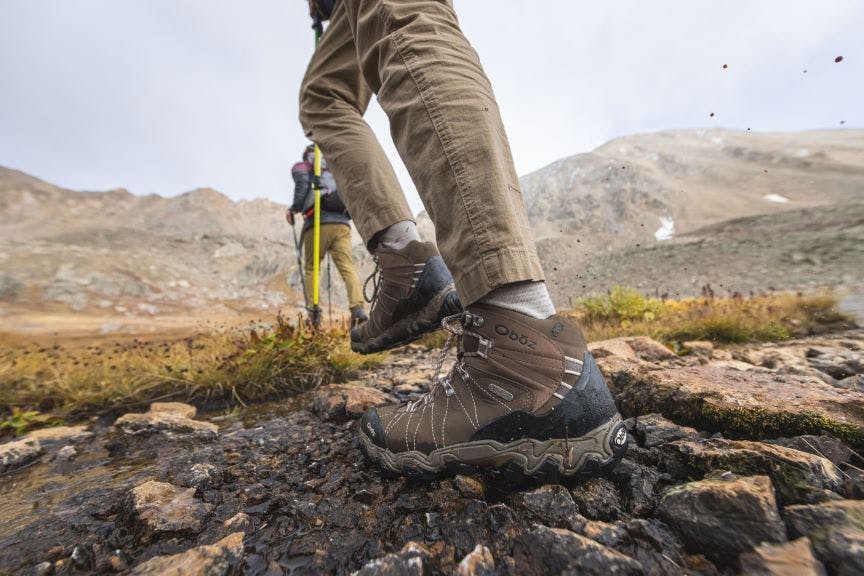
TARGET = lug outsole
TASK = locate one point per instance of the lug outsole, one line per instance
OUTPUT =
(413, 327)
(517, 461)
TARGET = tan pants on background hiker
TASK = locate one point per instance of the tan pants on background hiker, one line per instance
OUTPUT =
(445, 124)
(335, 240)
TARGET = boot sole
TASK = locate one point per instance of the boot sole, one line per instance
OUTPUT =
(412, 327)
(593, 453)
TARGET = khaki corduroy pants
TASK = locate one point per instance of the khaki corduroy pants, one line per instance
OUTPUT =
(446, 126)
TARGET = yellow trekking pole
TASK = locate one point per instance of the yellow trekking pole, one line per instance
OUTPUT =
(315, 311)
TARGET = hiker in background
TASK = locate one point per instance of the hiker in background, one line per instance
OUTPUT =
(524, 393)
(335, 230)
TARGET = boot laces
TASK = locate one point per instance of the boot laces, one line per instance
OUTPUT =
(375, 279)
(454, 326)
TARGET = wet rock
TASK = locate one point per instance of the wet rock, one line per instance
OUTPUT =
(240, 522)
(855, 383)
(163, 507)
(167, 418)
(43, 569)
(219, 559)
(597, 499)
(410, 561)
(545, 550)
(605, 533)
(699, 348)
(66, 453)
(835, 530)
(18, 453)
(782, 560)
(654, 430)
(479, 562)
(59, 435)
(650, 350)
(723, 518)
(350, 400)
(638, 485)
(797, 476)
(201, 476)
(753, 404)
(553, 505)
(826, 446)
(469, 487)
(612, 347)
(652, 544)
(179, 408)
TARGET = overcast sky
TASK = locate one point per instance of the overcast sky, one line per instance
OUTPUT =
(169, 95)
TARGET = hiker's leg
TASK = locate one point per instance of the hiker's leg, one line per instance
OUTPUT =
(309, 263)
(446, 125)
(340, 251)
(333, 98)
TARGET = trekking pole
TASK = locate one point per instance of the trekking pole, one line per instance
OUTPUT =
(298, 251)
(329, 291)
(315, 311)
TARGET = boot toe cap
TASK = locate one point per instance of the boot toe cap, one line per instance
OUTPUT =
(370, 426)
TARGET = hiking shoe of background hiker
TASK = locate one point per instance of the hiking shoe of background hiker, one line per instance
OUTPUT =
(412, 291)
(358, 316)
(524, 396)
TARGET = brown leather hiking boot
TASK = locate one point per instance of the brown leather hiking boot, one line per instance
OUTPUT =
(412, 294)
(524, 395)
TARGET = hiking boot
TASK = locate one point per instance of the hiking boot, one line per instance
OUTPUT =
(358, 316)
(413, 290)
(523, 396)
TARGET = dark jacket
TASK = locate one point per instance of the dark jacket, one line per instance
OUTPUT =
(332, 209)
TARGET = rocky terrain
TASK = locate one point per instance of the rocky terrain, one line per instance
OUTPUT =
(742, 460)
(666, 212)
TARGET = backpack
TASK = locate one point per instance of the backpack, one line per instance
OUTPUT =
(323, 9)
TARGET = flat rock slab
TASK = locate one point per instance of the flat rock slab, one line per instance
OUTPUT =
(636, 347)
(836, 530)
(163, 507)
(219, 559)
(18, 453)
(738, 401)
(345, 400)
(168, 418)
(797, 476)
(723, 518)
(56, 435)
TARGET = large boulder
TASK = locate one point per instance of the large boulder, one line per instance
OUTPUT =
(219, 559)
(836, 530)
(797, 476)
(722, 518)
(746, 403)
(545, 550)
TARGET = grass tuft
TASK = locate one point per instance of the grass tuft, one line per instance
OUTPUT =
(253, 365)
(735, 320)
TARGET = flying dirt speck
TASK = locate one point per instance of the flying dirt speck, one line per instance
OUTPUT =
(725, 66)
(711, 114)
(838, 59)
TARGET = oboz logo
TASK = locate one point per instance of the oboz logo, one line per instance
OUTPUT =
(620, 437)
(523, 340)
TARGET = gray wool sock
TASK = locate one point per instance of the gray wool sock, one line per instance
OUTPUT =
(398, 235)
(529, 298)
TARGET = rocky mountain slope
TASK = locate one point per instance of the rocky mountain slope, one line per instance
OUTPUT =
(742, 461)
(666, 212)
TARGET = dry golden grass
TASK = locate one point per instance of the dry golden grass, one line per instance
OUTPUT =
(252, 365)
(772, 317)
